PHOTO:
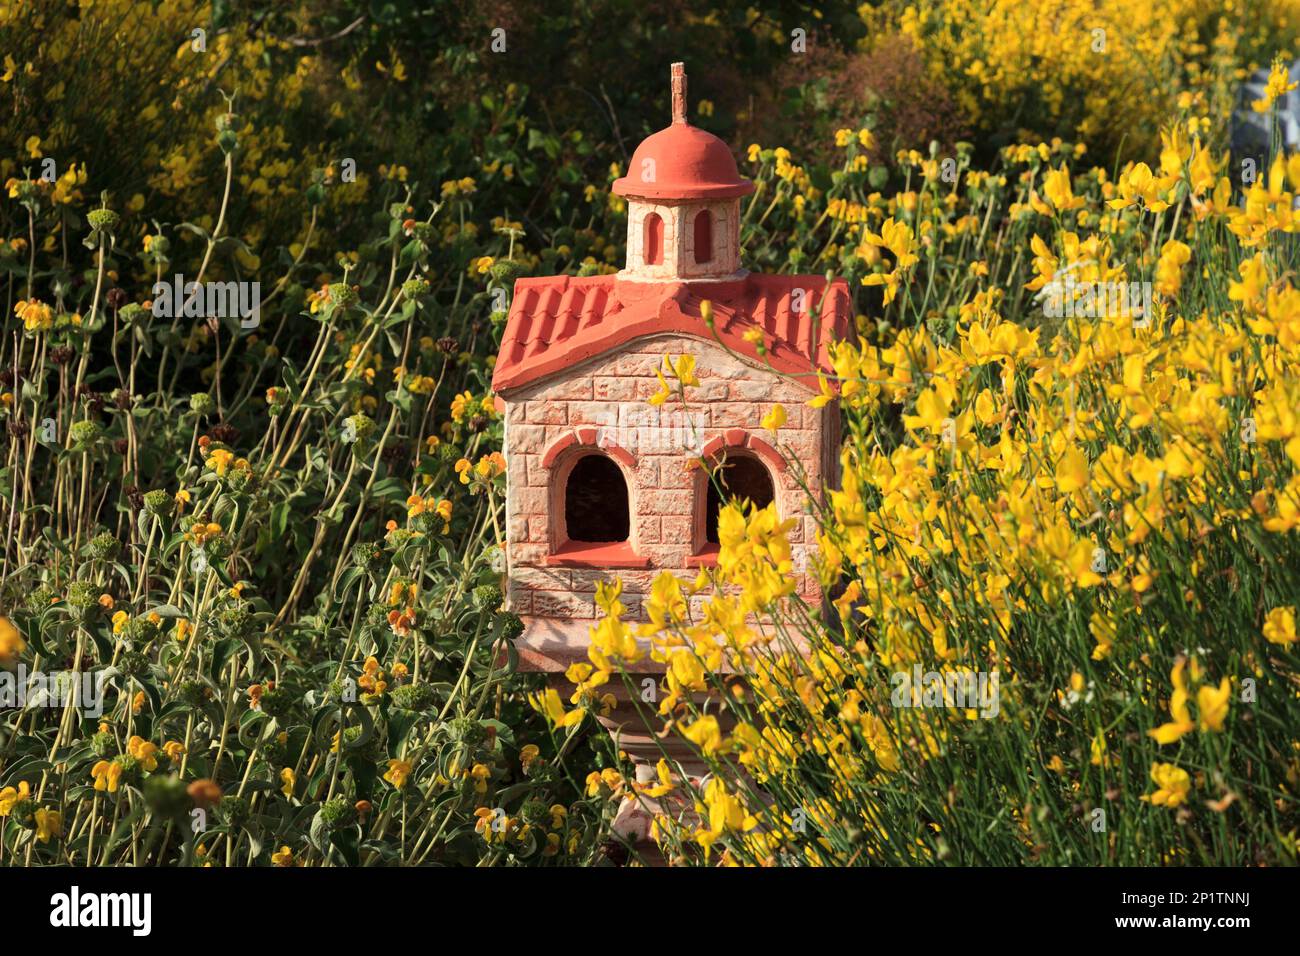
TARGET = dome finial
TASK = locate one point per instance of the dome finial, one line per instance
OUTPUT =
(679, 92)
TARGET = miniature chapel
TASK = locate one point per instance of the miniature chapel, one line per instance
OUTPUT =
(600, 482)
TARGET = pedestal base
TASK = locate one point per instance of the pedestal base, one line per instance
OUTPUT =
(635, 727)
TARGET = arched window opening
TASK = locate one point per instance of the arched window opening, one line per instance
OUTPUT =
(595, 501)
(741, 478)
(654, 239)
(704, 237)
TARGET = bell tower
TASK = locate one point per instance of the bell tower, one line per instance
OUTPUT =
(683, 210)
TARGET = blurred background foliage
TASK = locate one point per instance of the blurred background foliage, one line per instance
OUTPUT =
(415, 90)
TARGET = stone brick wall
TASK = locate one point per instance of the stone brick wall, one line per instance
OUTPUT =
(606, 399)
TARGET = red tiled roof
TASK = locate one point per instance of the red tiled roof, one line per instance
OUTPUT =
(559, 321)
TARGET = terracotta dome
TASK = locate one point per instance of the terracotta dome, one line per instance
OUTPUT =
(688, 164)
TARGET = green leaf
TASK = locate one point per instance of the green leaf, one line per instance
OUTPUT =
(345, 841)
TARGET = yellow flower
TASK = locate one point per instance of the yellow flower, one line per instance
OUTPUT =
(1098, 750)
(201, 532)
(106, 775)
(548, 704)
(36, 316)
(282, 857)
(932, 408)
(1058, 190)
(1169, 276)
(49, 823)
(219, 461)
(1172, 785)
(461, 405)
(287, 779)
(1212, 705)
(664, 393)
(1276, 87)
(825, 393)
(1279, 627)
(1182, 719)
(607, 779)
(318, 300)
(144, 752)
(1072, 471)
(665, 785)
(888, 279)
(896, 236)
(774, 419)
(683, 370)
(11, 642)
(10, 797)
(1254, 282)
(705, 734)
(490, 466)
(459, 187)
(1139, 183)
(397, 773)
(479, 773)
(528, 755)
